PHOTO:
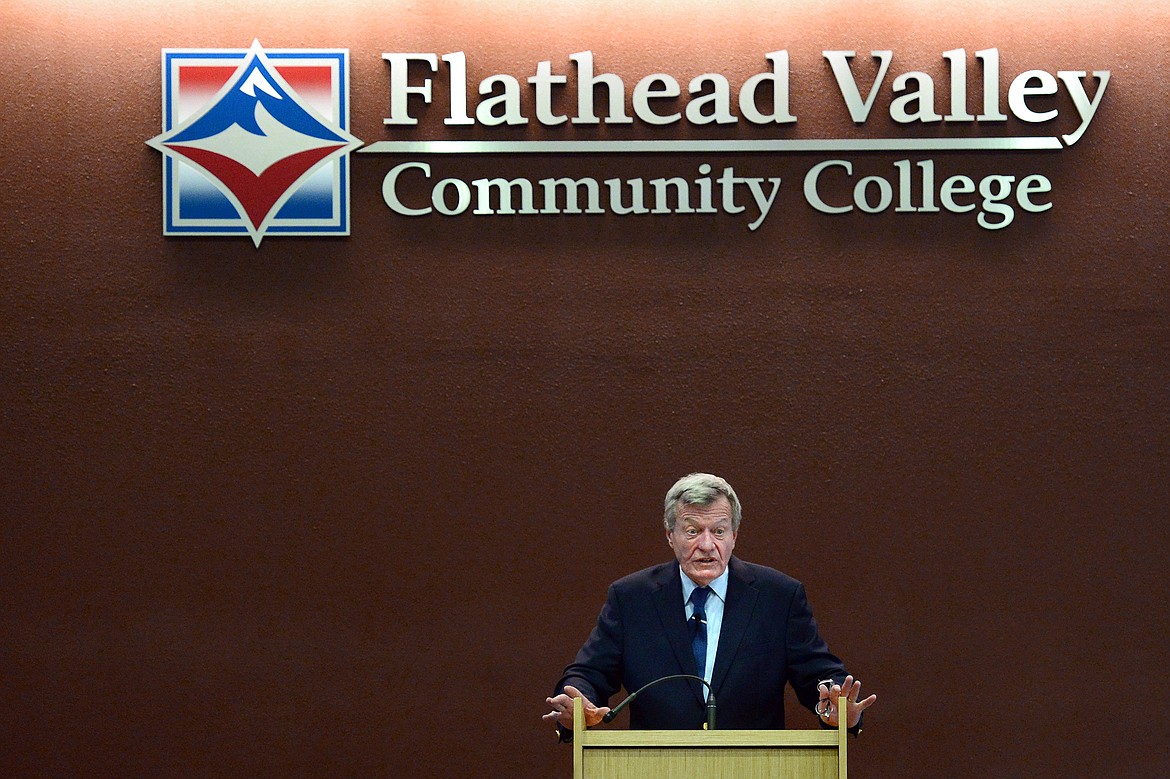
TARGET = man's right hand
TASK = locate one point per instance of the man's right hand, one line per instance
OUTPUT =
(562, 709)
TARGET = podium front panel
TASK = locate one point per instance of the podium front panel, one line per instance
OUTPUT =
(710, 763)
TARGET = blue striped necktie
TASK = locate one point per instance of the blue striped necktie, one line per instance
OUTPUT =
(699, 628)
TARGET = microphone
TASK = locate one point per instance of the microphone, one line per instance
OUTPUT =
(710, 698)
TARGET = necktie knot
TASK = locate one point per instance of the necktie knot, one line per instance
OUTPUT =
(699, 597)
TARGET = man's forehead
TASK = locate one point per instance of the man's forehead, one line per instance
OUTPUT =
(716, 511)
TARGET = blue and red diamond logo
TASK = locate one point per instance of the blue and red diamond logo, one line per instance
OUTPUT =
(255, 142)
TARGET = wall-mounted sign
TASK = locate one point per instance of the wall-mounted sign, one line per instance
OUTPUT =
(256, 142)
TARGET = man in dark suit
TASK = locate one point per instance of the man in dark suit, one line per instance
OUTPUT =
(746, 629)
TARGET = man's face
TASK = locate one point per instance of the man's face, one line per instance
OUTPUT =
(702, 539)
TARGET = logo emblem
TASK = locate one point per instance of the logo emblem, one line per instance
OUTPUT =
(255, 142)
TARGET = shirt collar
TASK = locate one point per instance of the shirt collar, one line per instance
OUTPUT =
(718, 586)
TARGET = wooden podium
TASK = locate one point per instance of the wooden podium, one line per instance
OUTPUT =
(702, 754)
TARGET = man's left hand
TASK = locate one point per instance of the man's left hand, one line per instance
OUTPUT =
(850, 689)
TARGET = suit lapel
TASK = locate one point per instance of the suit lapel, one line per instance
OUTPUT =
(672, 613)
(737, 615)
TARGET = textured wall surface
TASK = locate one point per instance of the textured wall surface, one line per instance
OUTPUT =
(346, 507)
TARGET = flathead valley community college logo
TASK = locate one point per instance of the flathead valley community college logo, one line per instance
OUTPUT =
(255, 142)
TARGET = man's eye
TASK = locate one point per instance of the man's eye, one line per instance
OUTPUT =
(719, 533)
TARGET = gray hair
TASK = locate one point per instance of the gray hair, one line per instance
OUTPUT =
(700, 489)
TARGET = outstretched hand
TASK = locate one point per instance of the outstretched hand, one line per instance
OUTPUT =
(850, 689)
(562, 709)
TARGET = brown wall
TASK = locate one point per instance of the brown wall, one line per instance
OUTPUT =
(346, 507)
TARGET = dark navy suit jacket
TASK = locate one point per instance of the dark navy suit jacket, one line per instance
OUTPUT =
(768, 638)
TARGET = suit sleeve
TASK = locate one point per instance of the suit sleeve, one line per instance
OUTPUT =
(809, 657)
(597, 669)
